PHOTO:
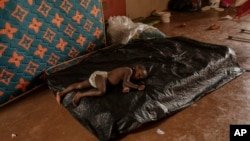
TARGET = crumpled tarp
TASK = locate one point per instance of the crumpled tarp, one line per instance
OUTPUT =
(181, 70)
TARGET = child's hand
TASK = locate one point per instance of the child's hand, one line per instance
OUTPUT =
(141, 87)
(125, 89)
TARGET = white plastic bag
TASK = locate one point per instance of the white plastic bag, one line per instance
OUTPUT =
(122, 29)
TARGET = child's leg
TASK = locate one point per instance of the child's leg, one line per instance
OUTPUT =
(99, 91)
(74, 86)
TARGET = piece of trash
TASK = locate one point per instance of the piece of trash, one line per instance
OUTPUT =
(165, 16)
(241, 39)
(160, 132)
(122, 30)
(214, 4)
(194, 105)
(245, 31)
(182, 25)
(13, 135)
(213, 27)
(227, 17)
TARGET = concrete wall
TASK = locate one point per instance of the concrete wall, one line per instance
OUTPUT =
(114, 8)
(143, 8)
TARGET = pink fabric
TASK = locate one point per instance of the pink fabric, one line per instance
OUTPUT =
(243, 10)
(226, 3)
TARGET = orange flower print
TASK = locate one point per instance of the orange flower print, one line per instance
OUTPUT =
(91, 47)
(2, 3)
(61, 44)
(31, 68)
(1, 93)
(88, 25)
(69, 30)
(19, 13)
(22, 85)
(30, 2)
(85, 3)
(40, 51)
(95, 11)
(53, 59)
(8, 31)
(35, 25)
(2, 49)
(49, 35)
(81, 40)
(78, 16)
(73, 52)
(6, 76)
(66, 6)
(44, 9)
(57, 20)
(97, 33)
(25, 42)
(16, 59)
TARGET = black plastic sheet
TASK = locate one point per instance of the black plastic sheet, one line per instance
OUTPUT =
(180, 70)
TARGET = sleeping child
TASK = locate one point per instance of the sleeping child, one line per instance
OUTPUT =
(98, 81)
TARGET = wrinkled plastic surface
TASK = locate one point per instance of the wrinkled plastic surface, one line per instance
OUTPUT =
(181, 70)
(122, 30)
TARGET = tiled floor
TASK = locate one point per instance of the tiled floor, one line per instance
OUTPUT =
(37, 117)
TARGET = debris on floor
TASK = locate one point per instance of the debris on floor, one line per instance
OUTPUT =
(214, 4)
(227, 17)
(245, 31)
(160, 132)
(164, 16)
(182, 25)
(241, 39)
(13, 135)
(213, 27)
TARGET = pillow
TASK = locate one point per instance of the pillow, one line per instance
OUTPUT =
(35, 35)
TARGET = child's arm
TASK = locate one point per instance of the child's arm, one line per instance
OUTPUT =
(126, 80)
(127, 84)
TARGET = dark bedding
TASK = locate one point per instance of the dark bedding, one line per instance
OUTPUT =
(181, 70)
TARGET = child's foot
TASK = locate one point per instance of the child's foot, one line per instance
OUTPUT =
(58, 98)
(76, 100)
(125, 90)
(141, 87)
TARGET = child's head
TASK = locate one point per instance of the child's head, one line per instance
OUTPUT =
(140, 72)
